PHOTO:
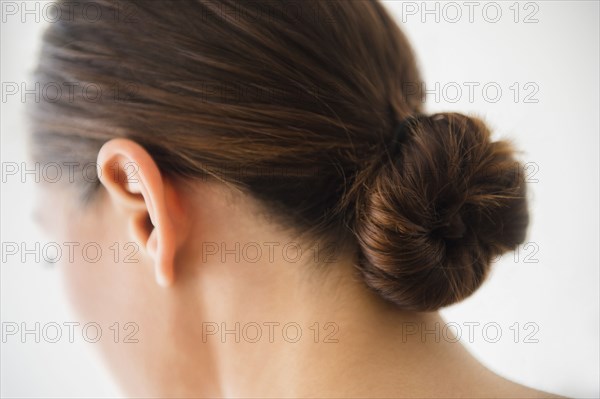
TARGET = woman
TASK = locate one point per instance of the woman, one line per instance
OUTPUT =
(275, 215)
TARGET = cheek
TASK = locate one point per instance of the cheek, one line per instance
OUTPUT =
(95, 273)
(100, 264)
(107, 265)
(109, 280)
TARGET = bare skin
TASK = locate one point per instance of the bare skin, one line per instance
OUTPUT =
(187, 292)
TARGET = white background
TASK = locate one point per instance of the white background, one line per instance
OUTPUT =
(552, 283)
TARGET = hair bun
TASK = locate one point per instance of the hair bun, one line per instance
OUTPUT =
(436, 214)
(453, 230)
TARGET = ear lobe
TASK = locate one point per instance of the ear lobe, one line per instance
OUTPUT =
(136, 187)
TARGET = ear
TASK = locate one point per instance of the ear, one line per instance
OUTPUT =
(151, 205)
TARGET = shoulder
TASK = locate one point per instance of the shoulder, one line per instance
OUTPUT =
(507, 389)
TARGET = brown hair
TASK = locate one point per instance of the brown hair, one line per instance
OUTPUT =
(296, 104)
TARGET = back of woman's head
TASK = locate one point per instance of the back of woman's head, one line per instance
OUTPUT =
(296, 104)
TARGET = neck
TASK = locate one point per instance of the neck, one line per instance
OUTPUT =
(302, 338)
(277, 326)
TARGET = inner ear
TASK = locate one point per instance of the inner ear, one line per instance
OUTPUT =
(148, 223)
(141, 227)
